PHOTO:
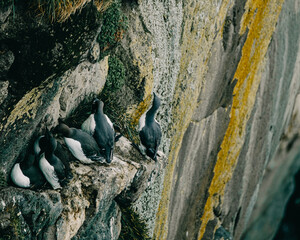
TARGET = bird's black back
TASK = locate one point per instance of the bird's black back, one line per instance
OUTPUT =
(88, 143)
(35, 175)
(104, 134)
(150, 136)
(59, 167)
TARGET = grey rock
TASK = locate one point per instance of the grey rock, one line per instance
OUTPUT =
(56, 98)
(5, 12)
(29, 213)
(6, 60)
(3, 90)
(277, 184)
(94, 53)
(188, 53)
(251, 184)
(84, 209)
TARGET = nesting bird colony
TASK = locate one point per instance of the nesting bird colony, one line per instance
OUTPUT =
(93, 143)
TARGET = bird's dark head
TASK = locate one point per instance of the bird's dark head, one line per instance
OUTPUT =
(51, 142)
(97, 105)
(156, 101)
(108, 154)
(62, 129)
(39, 146)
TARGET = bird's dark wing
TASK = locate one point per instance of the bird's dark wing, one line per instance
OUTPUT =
(158, 135)
(146, 137)
(88, 143)
(37, 179)
(150, 137)
(104, 138)
(59, 168)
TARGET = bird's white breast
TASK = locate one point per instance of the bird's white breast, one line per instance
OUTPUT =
(109, 122)
(36, 145)
(89, 125)
(76, 149)
(19, 178)
(49, 172)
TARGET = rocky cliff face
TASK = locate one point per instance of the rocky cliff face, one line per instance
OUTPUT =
(227, 73)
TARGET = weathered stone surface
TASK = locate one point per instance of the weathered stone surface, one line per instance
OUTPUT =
(84, 209)
(6, 60)
(227, 74)
(265, 130)
(258, 114)
(152, 43)
(28, 213)
(3, 90)
(277, 184)
(145, 177)
(41, 49)
(192, 176)
(42, 107)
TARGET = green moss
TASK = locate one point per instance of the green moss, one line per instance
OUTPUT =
(116, 75)
(133, 228)
(115, 83)
(113, 104)
(14, 230)
(114, 25)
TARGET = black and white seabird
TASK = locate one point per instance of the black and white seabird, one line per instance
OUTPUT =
(101, 128)
(150, 131)
(51, 166)
(41, 143)
(82, 145)
(27, 174)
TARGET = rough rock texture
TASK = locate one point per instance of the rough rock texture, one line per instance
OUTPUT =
(44, 70)
(278, 182)
(56, 97)
(84, 209)
(227, 73)
(213, 179)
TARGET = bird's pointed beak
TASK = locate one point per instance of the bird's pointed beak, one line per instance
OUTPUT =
(108, 155)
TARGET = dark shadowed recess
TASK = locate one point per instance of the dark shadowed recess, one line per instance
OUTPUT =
(41, 48)
(290, 225)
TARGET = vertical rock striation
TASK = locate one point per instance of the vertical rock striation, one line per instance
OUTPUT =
(227, 73)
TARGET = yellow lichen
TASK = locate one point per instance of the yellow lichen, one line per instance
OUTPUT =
(143, 60)
(102, 5)
(61, 10)
(260, 18)
(26, 108)
(196, 47)
(140, 109)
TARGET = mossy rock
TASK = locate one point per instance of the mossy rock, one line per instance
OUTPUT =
(116, 76)
(114, 24)
(11, 224)
(133, 228)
